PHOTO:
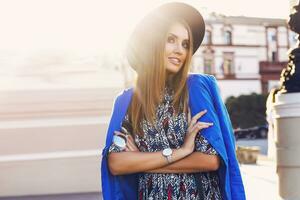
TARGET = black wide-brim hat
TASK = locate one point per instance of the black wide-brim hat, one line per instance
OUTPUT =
(175, 10)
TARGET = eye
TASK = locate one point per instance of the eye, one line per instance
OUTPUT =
(186, 45)
(171, 39)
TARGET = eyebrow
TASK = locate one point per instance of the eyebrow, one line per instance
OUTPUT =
(177, 36)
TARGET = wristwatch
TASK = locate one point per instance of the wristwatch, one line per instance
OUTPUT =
(168, 154)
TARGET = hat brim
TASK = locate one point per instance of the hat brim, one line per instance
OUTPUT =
(176, 11)
(190, 15)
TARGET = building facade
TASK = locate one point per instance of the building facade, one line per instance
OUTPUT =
(245, 54)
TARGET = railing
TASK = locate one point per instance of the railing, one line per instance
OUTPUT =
(271, 67)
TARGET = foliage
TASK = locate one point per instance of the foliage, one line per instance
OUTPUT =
(247, 110)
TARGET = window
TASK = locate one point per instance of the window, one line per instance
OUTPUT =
(228, 63)
(208, 61)
(274, 56)
(272, 35)
(208, 37)
(228, 37)
(208, 65)
(272, 44)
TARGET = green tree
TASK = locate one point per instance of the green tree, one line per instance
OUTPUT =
(247, 110)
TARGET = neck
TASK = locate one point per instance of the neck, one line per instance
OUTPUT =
(170, 77)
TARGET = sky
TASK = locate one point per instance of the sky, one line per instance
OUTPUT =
(100, 25)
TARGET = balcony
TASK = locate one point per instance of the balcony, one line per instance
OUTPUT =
(271, 69)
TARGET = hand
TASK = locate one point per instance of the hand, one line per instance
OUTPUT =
(130, 144)
(193, 129)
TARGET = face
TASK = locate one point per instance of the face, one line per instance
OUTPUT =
(176, 48)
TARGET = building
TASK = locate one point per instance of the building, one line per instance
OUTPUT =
(245, 54)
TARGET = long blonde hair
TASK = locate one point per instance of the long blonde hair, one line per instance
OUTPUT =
(146, 53)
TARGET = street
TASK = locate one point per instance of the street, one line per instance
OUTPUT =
(261, 143)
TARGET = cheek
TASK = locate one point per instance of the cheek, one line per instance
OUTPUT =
(168, 48)
(185, 55)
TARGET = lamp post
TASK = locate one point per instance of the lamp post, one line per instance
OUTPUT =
(287, 121)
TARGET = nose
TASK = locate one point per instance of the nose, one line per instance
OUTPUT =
(178, 48)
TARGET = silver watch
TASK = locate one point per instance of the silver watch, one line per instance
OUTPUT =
(168, 154)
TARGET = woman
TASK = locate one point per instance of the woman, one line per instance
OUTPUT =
(178, 135)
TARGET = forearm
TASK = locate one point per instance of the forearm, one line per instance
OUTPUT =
(195, 162)
(133, 162)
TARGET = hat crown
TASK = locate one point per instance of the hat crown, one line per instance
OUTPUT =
(170, 11)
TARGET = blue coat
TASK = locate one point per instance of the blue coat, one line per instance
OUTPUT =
(203, 94)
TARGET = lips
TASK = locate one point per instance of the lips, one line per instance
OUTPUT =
(174, 60)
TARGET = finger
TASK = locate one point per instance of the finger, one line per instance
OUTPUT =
(126, 148)
(197, 116)
(203, 123)
(192, 124)
(124, 130)
(189, 115)
(191, 129)
(195, 128)
(130, 147)
(206, 123)
(130, 137)
(130, 141)
(119, 133)
(199, 127)
(122, 135)
(133, 145)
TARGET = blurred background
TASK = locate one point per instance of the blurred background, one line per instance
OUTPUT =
(62, 63)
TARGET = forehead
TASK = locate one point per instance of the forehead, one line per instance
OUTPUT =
(179, 30)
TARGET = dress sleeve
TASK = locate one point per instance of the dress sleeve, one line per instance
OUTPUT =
(202, 145)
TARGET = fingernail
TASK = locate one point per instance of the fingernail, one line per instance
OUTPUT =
(205, 110)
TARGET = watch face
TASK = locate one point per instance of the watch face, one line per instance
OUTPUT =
(119, 141)
(167, 152)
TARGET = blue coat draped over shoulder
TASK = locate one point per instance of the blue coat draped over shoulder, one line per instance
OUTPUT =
(203, 94)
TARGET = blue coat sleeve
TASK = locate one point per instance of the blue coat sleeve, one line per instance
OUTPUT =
(120, 187)
(109, 181)
(204, 94)
(236, 184)
(200, 98)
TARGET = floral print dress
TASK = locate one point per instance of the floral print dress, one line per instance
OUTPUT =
(168, 132)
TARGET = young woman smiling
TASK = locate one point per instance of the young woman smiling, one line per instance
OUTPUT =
(170, 136)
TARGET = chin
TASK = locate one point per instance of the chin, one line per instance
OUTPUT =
(173, 69)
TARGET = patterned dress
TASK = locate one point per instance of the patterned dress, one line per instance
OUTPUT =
(168, 132)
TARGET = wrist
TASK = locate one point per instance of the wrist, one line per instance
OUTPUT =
(167, 153)
(185, 151)
(173, 155)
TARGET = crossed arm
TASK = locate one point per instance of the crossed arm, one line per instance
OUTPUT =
(195, 162)
(133, 162)
(185, 160)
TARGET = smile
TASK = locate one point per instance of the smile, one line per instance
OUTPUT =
(174, 60)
